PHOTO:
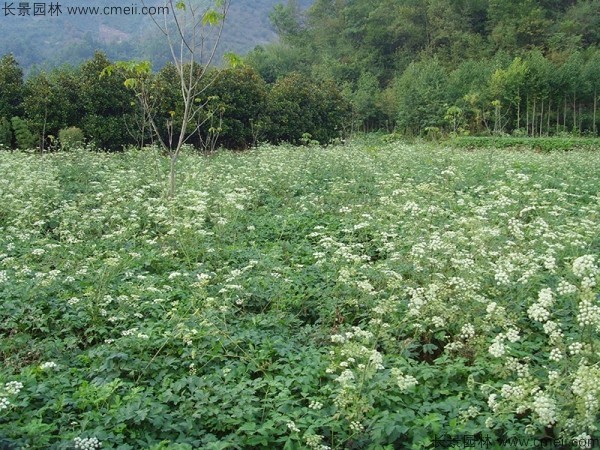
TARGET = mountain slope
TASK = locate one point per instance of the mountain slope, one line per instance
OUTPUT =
(72, 36)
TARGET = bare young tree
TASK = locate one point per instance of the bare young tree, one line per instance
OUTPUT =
(193, 30)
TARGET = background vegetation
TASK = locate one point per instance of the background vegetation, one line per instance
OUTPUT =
(45, 42)
(425, 68)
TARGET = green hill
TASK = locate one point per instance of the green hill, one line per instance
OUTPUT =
(71, 36)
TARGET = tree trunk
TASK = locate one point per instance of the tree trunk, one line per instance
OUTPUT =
(557, 115)
(527, 115)
(565, 114)
(172, 176)
(541, 119)
(43, 131)
(574, 113)
(533, 124)
(549, 112)
(595, 109)
(518, 109)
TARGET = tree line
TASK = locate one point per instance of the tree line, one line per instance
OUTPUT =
(240, 109)
(527, 67)
(415, 67)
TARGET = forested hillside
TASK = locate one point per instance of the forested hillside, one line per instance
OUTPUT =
(427, 68)
(527, 66)
(72, 36)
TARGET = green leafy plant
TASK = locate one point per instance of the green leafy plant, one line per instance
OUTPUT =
(71, 137)
(23, 136)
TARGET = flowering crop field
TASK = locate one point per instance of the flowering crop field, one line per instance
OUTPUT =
(365, 296)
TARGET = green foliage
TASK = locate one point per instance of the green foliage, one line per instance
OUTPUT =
(546, 144)
(277, 60)
(24, 138)
(70, 138)
(421, 94)
(11, 86)
(239, 100)
(107, 106)
(369, 47)
(286, 19)
(363, 296)
(6, 134)
(297, 105)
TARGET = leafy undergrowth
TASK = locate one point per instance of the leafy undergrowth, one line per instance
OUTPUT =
(544, 144)
(391, 297)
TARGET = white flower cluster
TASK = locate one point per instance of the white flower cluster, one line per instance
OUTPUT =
(376, 359)
(492, 402)
(356, 426)
(314, 442)
(48, 365)
(346, 378)
(585, 268)
(470, 413)
(520, 368)
(4, 403)
(545, 407)
(513, 335)
(539, 310)
(13, 387)
(587, 387)
(356, 332)
(87, 443)
(497, 349)
(502, 277)
(556, 355)
(293, 427)
(467, 331)
(405, 382)
(549, 262)
(576, 348)
(553, 330)
(438, 321)
(565, 288)
(583, 441)
(553, 375)
(514, 392)
(589, 313)
(315, 405)
(491, 308)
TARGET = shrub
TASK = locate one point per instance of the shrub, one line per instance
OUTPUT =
(23, 135)
(241, 94)
(297, 105)
(5, 133)
(70, 137)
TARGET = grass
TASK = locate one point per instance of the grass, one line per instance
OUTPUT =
(351, 297)
(544, 144)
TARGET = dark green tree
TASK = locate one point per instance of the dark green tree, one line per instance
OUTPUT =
(422, 96)
(582, 20)
(11, 87)
(107, 105)
(298, 106)
(287, 20)
(591, 73)
(238, 106)
(24, 138)
(570, 74)
(6, 135)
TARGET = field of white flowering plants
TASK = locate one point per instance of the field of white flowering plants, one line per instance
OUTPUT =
(367, 296)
